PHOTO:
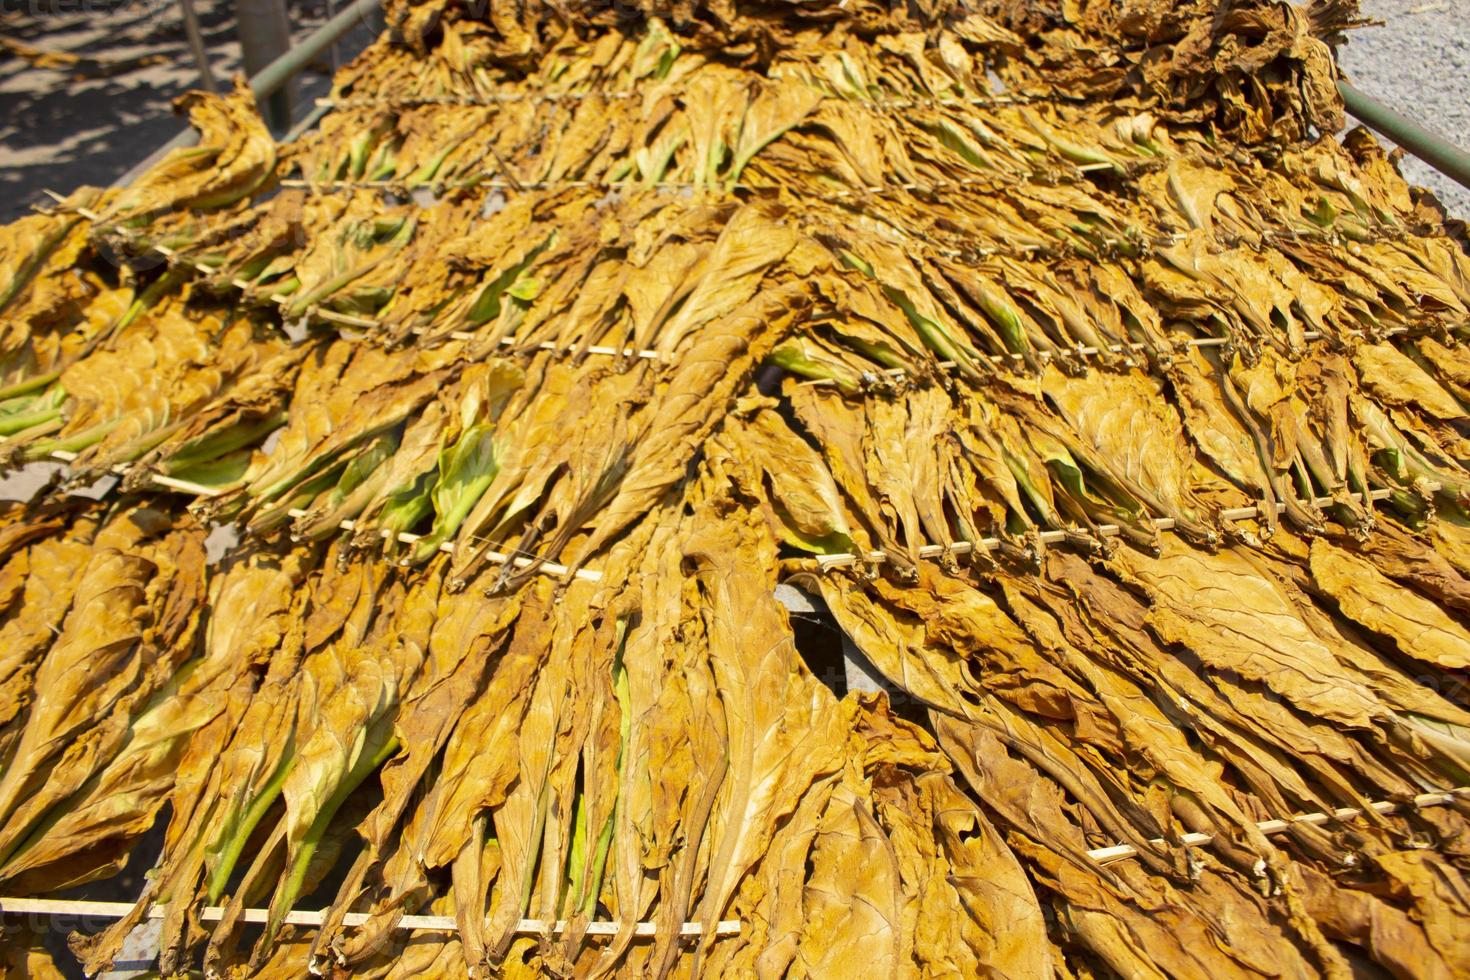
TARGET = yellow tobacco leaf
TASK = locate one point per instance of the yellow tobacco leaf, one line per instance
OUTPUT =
(1417, 626)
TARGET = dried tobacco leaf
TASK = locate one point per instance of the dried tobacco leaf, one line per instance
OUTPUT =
(1125, 438)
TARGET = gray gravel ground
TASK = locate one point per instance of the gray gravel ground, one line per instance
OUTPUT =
(1419, 63)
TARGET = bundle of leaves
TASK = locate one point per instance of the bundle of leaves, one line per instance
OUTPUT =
(1117, 411)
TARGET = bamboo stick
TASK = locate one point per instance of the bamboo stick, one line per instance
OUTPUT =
(1093, 351)
(827, 562)
(1121, 852)
(407, 923)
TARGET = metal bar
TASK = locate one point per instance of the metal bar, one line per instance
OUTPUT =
(289, 65)
(859, 673)
(187, 138)
(1433, 149)
(272, 76)
(307, 122)
(264, 30)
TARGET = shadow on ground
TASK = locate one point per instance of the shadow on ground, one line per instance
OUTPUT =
(88, 124)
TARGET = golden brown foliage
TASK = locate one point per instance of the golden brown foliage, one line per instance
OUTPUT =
(1121, 421)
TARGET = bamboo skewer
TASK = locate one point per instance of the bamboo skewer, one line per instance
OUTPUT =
(979, 254)
(1121, 852)
(824, 562)
(494, 557)
(409, 923)
(1091, 351)
(491, 99)
(728, 927)
(1021, 252)
(349, 320)
(491, 180)
(404, 537)
(827, 562)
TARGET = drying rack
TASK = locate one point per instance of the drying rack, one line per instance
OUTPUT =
(1439, 153)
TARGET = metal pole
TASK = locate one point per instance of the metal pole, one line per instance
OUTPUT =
(196, 45)
(273, 76)
(307, 121)
(1433, 149)
(265, 37)
(288, 65)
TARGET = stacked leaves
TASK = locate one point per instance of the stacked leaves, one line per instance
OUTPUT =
(1122, 424)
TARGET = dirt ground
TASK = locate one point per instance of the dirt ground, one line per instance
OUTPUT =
(88, 124)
